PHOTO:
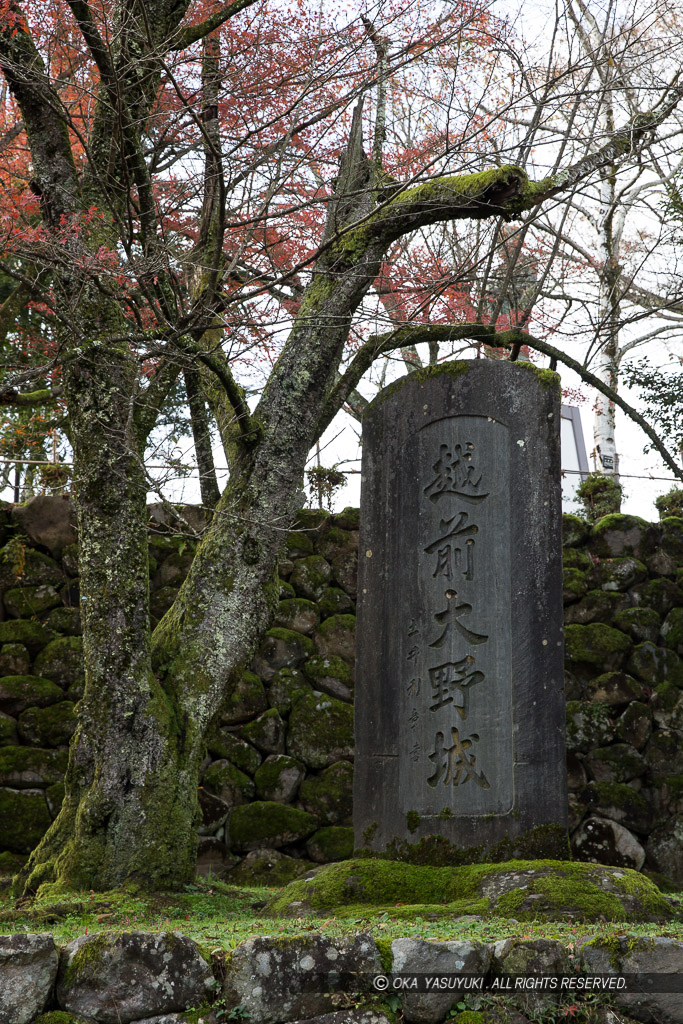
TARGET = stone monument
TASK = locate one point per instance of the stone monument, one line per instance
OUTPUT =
(460, 746)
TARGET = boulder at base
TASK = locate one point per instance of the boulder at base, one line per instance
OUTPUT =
(522, 889)
(128, 976)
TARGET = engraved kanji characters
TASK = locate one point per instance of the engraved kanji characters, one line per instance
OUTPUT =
(448, 553)
(455, 474)
(450, 684)
(450, 619)
(455, 765)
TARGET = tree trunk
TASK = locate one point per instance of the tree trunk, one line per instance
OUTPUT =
(605, 451)
(130, 785)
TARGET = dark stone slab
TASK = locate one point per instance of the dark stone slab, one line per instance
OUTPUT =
(459, 703)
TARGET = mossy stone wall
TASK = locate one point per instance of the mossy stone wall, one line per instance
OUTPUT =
(276, 782)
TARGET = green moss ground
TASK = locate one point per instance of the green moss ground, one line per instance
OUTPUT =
(219, 916)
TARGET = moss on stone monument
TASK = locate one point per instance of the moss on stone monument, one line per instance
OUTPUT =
(521, 889)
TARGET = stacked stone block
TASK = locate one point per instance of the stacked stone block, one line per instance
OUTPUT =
(623, 593)
(276, 782)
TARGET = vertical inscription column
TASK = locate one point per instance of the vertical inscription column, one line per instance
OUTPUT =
(457, 699)
(459, 616)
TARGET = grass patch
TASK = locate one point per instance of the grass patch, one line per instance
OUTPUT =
(219, 916)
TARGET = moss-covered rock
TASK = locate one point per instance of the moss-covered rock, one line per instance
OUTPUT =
(61, 661)
(54, 797)
(588, 725)
(525, 890)
(620, 762)
(70, 556)
(596, 606)
(663, 702)
(70, 594)
(345, 572)
(298, 614)
(663, 752)
(30, 767)
(665, 850)
(331, 674)
(20, 692)
(661, 594)
(228, 783)
(26, 632)
(329, 795)
(574, 585)
(335, 602)
(76, 691)
(320, 730)
(52, 726)
(336, 636)
(266, 733)
(61, 1017)
(672, 537)
(23, 566)
(298, 545)
(639, 623)
(655, 664)
(614, 689)
(311, 576)
(575, 531)
(172, 570)
(672, 630)
(616, 574)
(246, 700)
(24, 602)
(620, 803)
(635, 724)
(14, 660)
(224, 744)
(281, 648)
(616, 535)
(313, 522)
(66, 621)
(264, 823)
(25, 818)
(337, 542)
(576, 558)
(10, 863)
(595, 645)
(331, 843)
(285, 686)
(269, 868)
(279, 778)
(347, 519)
(8, 730)
(285, 590)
